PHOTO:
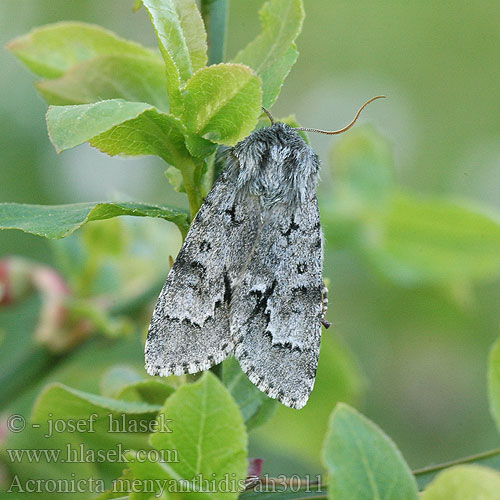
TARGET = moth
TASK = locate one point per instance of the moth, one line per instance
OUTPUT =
(248, 279)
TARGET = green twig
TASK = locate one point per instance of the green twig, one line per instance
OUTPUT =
(459, 461)
(193, 189)
(215, 15)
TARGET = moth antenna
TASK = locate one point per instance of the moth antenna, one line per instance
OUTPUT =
(269, 115)
(346, 127)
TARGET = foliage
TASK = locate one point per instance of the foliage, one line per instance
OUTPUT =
(125, 99)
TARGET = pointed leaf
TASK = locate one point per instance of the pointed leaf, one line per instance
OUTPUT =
(183, 41)
(464, 482)
(119, 127)
(223, 103)
(131, 78)
(208, 432)
(68, 401)
(52, 50)
(58, 221)
(273, 53)
(363, 462)
(70, 126)
(150, 133)
(104, 423)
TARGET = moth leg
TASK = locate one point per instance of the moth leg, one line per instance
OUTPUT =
(324, 306)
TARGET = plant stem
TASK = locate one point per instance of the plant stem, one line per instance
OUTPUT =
(215, 15)
(192, 188)
(464, 460)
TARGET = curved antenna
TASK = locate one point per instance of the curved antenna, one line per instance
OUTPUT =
(346, 127)
(269, 115)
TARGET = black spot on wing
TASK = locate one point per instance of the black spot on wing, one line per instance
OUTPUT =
(292, 227)
(232, 214)
(301, 268)
(205, 246)
(227, 288)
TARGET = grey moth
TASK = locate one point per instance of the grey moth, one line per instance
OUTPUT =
(248, 279)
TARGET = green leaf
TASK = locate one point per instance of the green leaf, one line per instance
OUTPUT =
(273, 53)
(52, 50)
(199, 147)
(148, 390)
(464, 482)
(208, 433)
(58, 221)
(174, 176)
(58, 401)
(494, 382)
(223, 103)
(132, 78)
(93, 423)
(119, 127)
(150, 473)
(151, 133)
(128, 128)
(70, 126)
(183, 42)
(433, 240)
(116, 378)
(363, 462)
(66, 401)
(255, 406)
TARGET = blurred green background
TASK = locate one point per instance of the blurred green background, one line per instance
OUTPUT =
(412, 358)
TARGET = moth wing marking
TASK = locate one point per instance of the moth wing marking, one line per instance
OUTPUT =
(276, 310)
